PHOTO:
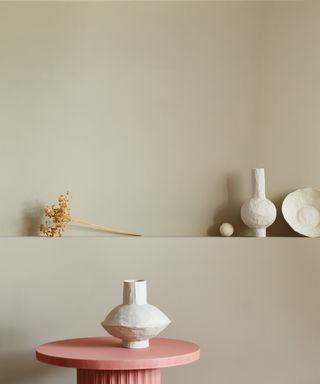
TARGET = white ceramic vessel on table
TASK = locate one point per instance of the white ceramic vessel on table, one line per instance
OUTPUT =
(258, 213)
(135, 321)
(301, 210)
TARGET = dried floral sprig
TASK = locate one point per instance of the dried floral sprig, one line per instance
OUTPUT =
(59, 216)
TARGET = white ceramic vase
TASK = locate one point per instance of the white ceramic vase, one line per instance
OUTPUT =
(135, 321)
(258, 213)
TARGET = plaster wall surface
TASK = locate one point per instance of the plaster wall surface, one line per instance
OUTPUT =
(146, 111)
(251, 304)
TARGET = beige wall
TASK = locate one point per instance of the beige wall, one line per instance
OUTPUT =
(141, 110)
(287, 129)
(144, 111)
(251, 304)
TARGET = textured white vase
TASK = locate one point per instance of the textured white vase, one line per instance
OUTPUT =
(135, 321)
(258, 213)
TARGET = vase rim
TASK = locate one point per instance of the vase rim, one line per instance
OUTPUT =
(134, 281)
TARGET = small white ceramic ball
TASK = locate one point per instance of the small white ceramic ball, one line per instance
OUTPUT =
(226, 229)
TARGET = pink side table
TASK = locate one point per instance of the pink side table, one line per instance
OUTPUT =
(102, 360)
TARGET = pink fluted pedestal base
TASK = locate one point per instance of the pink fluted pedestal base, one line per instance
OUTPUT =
(103, 360)
(134, 376)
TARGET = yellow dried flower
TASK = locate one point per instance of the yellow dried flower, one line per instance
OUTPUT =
(59, 216)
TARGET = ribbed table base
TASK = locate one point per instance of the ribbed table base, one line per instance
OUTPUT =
(137, 376)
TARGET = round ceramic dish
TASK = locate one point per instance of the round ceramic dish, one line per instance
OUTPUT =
(301, 210)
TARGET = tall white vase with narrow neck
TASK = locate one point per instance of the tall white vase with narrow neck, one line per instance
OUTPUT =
(135, 321)
(258, 213)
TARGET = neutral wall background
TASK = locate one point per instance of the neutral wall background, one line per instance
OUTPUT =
(251, 304)
(146, 111)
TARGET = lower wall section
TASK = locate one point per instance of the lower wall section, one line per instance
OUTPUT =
(251, 304)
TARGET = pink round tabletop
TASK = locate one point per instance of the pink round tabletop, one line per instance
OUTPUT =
(107, 353)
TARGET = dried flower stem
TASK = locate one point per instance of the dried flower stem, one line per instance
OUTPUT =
(59, 216)
(103, 228)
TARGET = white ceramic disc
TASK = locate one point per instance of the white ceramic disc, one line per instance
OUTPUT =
(301, 209)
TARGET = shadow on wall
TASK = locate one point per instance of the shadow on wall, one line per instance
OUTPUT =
(230, 212)
(18, 367)
(32, 214)
(280, 227)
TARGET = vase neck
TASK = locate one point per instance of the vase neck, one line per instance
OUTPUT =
(135, 292)
(258, 183)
